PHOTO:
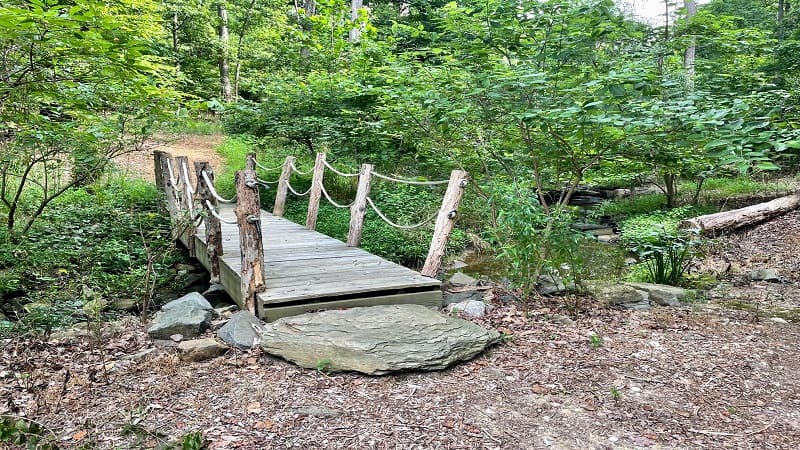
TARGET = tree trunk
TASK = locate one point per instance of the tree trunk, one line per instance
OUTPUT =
(671, 189)
(224, 69)
(238, 70)
(751, 215)
(310, 9)
(689, 54)
(355, 32)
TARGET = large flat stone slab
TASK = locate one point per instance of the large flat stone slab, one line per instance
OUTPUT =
(376, 340)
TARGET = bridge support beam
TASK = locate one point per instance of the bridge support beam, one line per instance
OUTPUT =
(248, 217)
(445, 222)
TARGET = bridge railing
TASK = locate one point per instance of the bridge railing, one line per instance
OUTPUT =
(189, 204)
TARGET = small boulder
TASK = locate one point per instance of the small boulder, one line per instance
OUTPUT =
(460, 279)
(217, 296)
(617, 294)
(469, 308)
(550, 284)
(458, 265)
(376, 340)
(778, 320)
(450, 298)
(242, 331)
(662, 294)
(765, 275)
(561, 320)
(189, 316)
(201, 349)
(124, 304)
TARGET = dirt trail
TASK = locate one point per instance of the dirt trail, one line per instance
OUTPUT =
(196, 147)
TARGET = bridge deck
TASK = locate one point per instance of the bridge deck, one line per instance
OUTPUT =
(306, 270)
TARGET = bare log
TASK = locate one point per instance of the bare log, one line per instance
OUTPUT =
(158, 170)
(212, 224)
(248, 216)
(316, 191)
(359, 209)
(444, 222)
(189, 228)
(712, 224)
(283, 189)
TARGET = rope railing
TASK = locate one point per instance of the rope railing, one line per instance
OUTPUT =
(400, 180)
(295, 192)
(189, 189)
(214, 191)
(267, 169)
(298, 171)
(341, 174)
(332, 202)
(402, 227)
(214, 213)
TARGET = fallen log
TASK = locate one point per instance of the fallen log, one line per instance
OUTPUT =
(737, 218)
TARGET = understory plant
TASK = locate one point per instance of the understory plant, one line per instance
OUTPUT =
(667, 256)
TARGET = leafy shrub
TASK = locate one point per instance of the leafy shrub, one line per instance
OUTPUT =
(667, 257)
(645, 229)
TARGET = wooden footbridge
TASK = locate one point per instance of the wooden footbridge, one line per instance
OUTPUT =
(274, 267)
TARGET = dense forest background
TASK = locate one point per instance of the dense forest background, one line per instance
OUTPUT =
(536, 99)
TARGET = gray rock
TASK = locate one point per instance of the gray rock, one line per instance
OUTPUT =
(470, 308)
(176, 337)
(561, 320)
(188, 300)
(617, 294)
(226, 311)
(189, 316)
(601, 231)
(450, 298)
(550, 284)
(376, 340)
(201, 349)
(124, 304)
(460, 279)
(458, 265)
(187, 268)
(141, 355)
(242, 331)
(630, 261)
(765, 275)
(217, 296)
(322, 412)
(662, 294)
(508, 298)
(608, 238)
(778, 320)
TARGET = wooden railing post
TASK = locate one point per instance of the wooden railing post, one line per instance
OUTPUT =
(189, 227)
(248, 216)
(283, 189)
(158, 170)
(444, 222)
(316, 191)
(250, 161)
(212, 225)
(359, 208)
(170, 192)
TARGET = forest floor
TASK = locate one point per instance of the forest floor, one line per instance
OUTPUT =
(713, 374)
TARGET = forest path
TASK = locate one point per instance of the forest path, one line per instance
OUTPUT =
(198, 147)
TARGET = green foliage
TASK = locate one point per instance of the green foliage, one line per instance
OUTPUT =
(104, 237)
(667, 257)
(23, 433)
(595, 341)
(649, 229)
(534, 242)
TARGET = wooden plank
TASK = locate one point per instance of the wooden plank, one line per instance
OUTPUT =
(359, 209)
(432, 299)
(445, 222)
(279, 294)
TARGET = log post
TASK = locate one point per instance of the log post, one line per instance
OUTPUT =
(248, 216)
(359, 208)
(316, 191)
(170, 191)
(444, 222)
(280, 197)
(188, 228)
(212, 225)
(250, 161)
(158, 155)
